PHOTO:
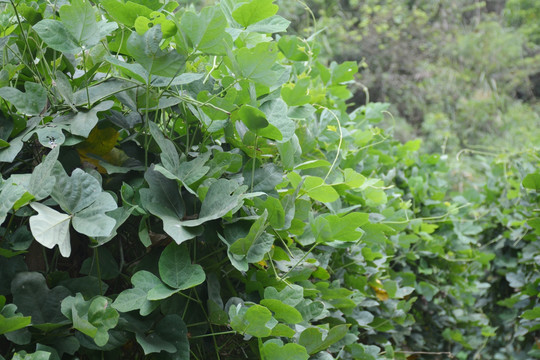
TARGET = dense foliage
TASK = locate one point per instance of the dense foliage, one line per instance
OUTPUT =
(182, 183)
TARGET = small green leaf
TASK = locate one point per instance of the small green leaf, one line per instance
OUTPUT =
(532, 181)
(290, 351)
(282, 311)
(252, 321)
(532, 314)
(146, 51)
(311, 338)
(318, 190)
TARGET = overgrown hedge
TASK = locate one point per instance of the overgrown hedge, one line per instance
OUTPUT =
(180, 184)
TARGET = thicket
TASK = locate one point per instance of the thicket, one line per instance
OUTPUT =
(195, 184)
(459, 74)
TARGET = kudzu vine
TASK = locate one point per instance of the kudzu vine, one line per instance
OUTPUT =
(195, 184)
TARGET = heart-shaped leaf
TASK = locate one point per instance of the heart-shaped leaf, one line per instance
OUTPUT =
(176, 270)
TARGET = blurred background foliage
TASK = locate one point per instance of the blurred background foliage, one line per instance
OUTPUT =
(461, 74)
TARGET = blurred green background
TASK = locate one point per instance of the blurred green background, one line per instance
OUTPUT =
(461, 74)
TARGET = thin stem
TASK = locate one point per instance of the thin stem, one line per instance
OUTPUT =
(98, 269)
(86, 77)
(213, 334)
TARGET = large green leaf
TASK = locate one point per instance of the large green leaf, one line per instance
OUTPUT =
(146, 50)
(81, 196)
(176, 270)
(125, 13)
(79, 18)
(76, 192)
(51, 228)
(56, 36)
(272, 350)
(137, 298)
(318, 190)
(254, 11)
(42, 182)
(206, 31)
(276, 114)
(163, 199)
(83, 122)
(31, 102)
(256, 63)
(33, 298)
(92, 220)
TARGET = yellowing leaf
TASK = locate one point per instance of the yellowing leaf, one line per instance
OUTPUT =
(101, 142)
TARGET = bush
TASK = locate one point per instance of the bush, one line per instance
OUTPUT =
(180, 184)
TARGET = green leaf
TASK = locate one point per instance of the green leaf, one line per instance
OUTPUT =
(103, 90)
(33, 298)
(294, 49)
(31, 102)
(153, 343)
(273, 24)
(143, 23)
(51, 228)
(276, 114)
(92, 220)
(173, 330)
(10, 194)
(290, 351)
(163, 200)
(137, 298)
(318, 190)
(254, 118)
(296, 94)
(13, 323)
(125, 13)
(532, 181)
(311, 338)
(254, 11)
(222, 196)
(79, 19)
(83, 122)
(282, 311)
(427, 289)
(253, 321)
(38, 355)
(176, 270)
(93, 318)
(135, 70)
(206, 31)
(146, 51)
(57, 36)
(531, 314)
(256, 63)
(76, 192)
